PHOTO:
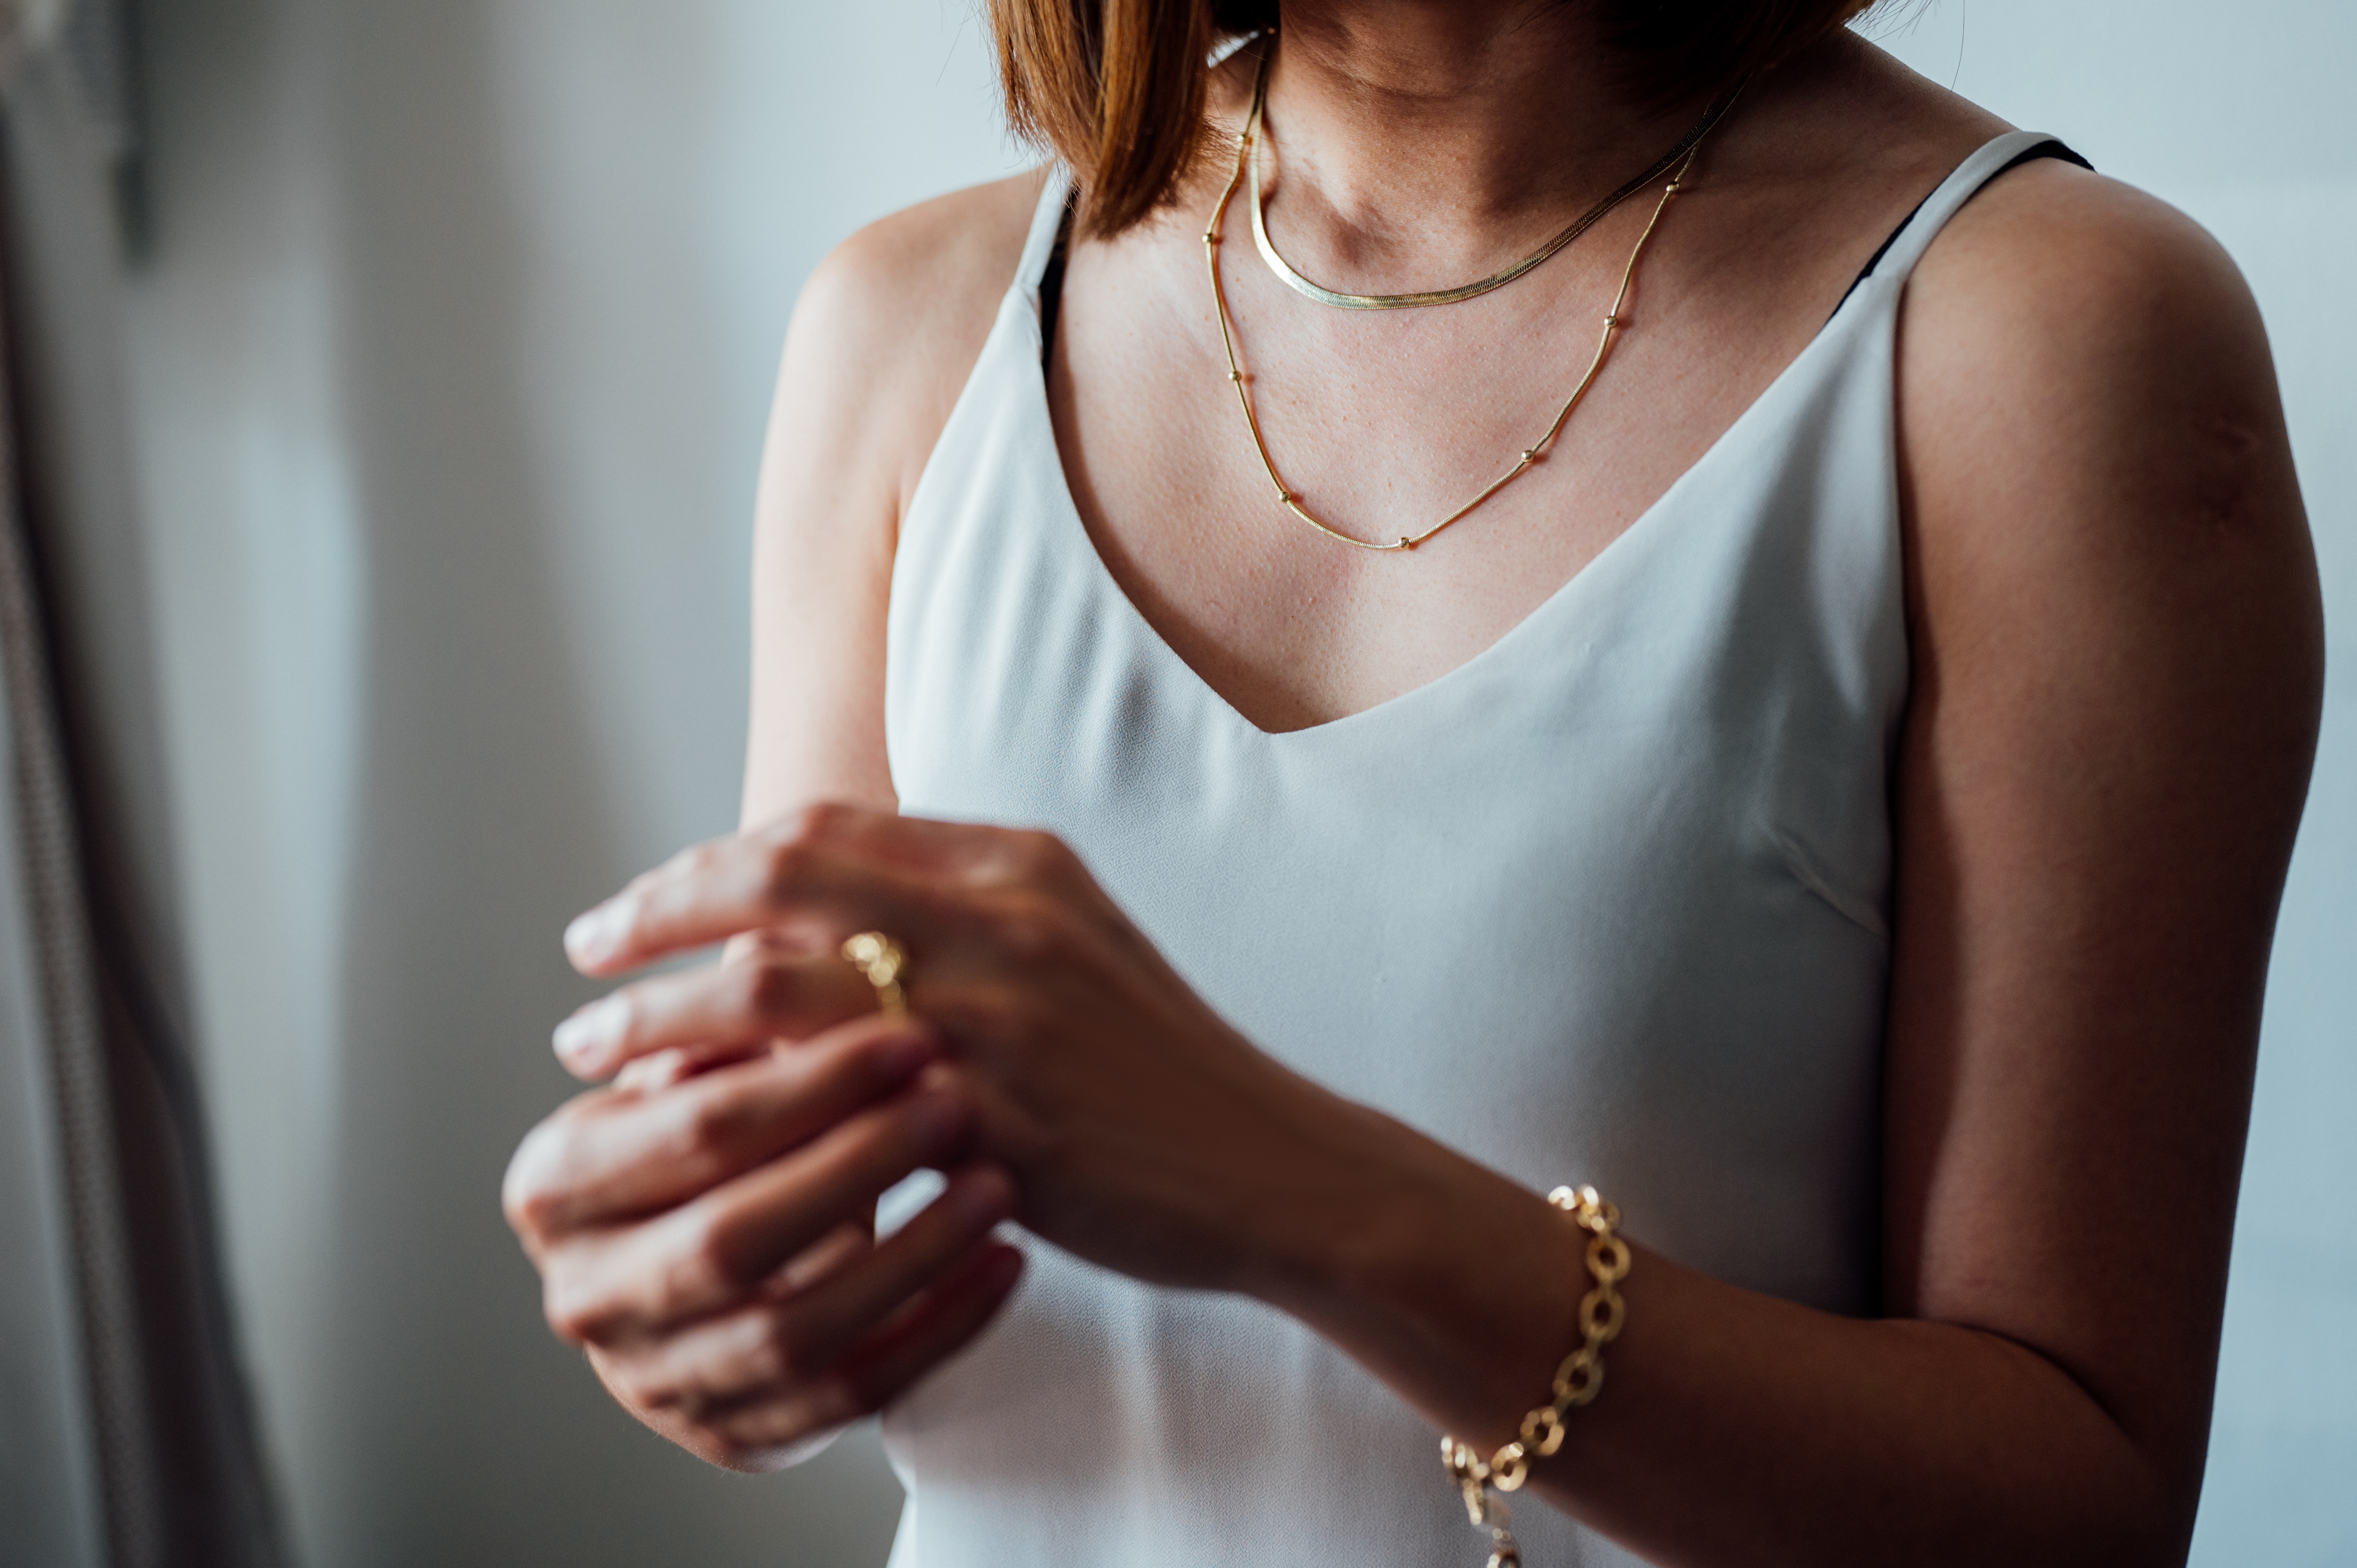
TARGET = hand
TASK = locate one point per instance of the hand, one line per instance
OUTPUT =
(706, 1241)
(1141, 1130)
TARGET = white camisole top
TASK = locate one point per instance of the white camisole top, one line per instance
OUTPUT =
(1609, 903)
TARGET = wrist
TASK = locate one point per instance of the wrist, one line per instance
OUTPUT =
(1452, 1283)
(1338, 1206)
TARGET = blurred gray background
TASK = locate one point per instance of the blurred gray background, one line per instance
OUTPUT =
(450, 347)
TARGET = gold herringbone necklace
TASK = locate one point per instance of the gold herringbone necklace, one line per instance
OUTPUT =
(1247, 165)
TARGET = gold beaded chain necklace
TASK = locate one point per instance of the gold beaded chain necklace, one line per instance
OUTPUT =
(1675, 162)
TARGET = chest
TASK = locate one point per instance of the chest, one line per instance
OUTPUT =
(1384, 422)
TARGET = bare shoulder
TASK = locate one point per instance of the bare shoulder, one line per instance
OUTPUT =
(890, 323)
(2071, 319)
(972, 236)
(2112, 592)
(2087, 395)
(2094, 282)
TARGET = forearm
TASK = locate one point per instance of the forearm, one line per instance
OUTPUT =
(1734, 1427)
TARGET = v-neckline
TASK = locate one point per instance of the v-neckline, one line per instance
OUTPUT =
(1075, 531)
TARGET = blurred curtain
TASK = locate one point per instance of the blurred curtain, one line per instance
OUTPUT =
(124, 1432)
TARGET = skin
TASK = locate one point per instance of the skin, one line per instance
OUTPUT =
(2117, 662)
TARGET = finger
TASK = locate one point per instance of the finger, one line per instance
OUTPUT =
(615, 1156)
(712, 1009)
(715, 1252)
(886, 1364)
(827, 863)
(820, 1324)
(652, 1074)
(646, 1375)
(730, 1357)
(838, 1248)
(743, 885)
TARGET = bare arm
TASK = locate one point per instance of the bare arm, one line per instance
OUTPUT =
(882, 341)
(2119, 657)
(2117, 643)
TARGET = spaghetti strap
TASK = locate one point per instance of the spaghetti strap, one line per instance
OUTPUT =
(1905, 247)
(2045, 148)
(1046, 219)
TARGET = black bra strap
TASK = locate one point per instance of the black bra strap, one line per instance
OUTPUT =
(1052, 282)
(2049, 149)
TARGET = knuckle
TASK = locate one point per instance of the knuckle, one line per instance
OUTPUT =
(530, 1192)
(641, 1389)
(698, 1128)
(769, 989)
(573, 1316)
(715, 1124)
(786, 865)
(709, 1265)
(810, 823)
(627, 911)
(630, 1018)
(697, 860)
(1034, 928)
(1040, 856)
(785, 1350)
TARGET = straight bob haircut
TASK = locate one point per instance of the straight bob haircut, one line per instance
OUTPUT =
(1116, 89)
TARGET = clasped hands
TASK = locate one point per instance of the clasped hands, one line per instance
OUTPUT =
(703, 1223)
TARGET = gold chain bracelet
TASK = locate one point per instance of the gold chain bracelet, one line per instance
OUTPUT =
(1577, 1381)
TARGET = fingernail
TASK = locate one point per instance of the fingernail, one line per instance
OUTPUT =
(586, 1037)
(896, 1056)
(591, 937)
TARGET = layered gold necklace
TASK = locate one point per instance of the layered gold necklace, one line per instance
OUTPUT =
(1674, 163)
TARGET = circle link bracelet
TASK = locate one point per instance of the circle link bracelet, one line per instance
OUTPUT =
(1577, 1381)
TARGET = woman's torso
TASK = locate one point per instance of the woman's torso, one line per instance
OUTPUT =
(1588, 876)
(1605, 901)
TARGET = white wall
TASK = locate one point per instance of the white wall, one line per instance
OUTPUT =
(453, 354)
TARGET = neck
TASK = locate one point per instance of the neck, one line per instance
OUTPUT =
(1420, 138)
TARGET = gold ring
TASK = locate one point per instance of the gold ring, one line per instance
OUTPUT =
(882, 960)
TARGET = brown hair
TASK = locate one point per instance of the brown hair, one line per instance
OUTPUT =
(1116, 89)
